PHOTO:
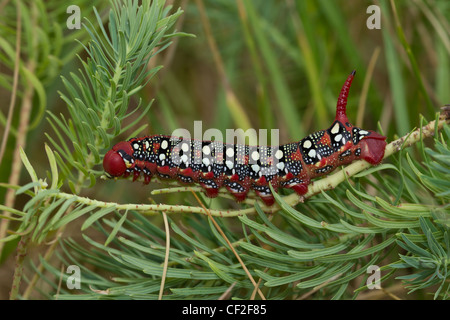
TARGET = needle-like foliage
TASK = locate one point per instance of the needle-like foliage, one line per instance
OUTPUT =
(394, 217)
(98, 97)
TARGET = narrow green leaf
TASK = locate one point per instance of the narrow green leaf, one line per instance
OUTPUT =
(116, 228)
(359, 229)
(278, 235)
(53, 167)
(279, 281)
(404, 211)
(390, 224)
(318, 253)
(267, 253)
(326, 276)
(94, 151)
(358, 254)
(99, 214)
(40, 90)
(28, 186)
(154, 269)
(305, 219)
(222, 275)
(29, 167)
(104, 137)
(195, 291)
(75, 214)
(12, 210)
(412, 247)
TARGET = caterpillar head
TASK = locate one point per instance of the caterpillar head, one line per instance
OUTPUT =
(118, 159)
(372, 146)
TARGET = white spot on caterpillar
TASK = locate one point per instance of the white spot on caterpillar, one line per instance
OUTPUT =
(312, 153)
(185, 147)
(162, 156)
(128, 164)
(280, 165)
(307, 144)
(335, 128)
(255, 168)
(338, 137)
(230, 152)
(255, 155)
(206, 150)
(206, 161)
(135, 146)
(184, 158)
(363, 132)
(279, 154)
(229, 164)
(164, 144)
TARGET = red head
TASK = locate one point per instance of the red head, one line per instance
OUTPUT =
(113, 163)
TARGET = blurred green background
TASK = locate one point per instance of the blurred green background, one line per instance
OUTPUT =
(256, 64)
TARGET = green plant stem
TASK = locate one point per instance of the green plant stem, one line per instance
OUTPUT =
(41, 268)
(9, 198)
(21, 137)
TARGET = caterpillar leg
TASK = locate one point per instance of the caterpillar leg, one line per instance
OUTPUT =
(262, 190)
(210, 192)
(238, 188)
(268, 200)
(147, 178)
(301, 188)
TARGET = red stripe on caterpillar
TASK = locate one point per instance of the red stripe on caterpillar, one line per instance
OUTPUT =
(241, 168)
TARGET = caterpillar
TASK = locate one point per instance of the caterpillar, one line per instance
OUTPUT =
(241, 168)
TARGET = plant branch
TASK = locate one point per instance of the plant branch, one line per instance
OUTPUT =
(327, 183)
(12, 102)
(22, 249)
(14, 177)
